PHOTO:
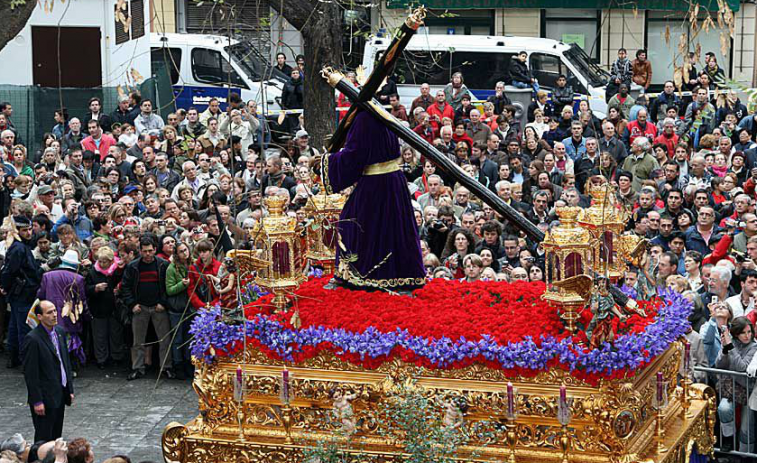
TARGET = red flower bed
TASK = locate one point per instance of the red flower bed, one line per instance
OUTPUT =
(507, 312)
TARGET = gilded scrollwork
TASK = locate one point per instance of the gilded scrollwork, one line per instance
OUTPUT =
(611, 421)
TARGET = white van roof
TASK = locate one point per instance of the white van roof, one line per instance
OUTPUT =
(474, 42)
(157, 39)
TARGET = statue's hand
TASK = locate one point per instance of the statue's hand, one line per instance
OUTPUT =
(315, 162)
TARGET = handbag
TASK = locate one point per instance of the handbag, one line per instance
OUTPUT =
(202, 290)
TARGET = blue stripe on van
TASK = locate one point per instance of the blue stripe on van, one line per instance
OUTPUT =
(199, 96)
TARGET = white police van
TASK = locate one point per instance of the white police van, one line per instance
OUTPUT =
(201, 67)
(485, 60)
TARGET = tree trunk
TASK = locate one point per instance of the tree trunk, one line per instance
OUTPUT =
(321, 28)
(14, 19)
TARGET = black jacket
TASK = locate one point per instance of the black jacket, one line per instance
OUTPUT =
(101, 304)
(42, 368)
(293, 95)
(562, 97)
(123, 117)
(20, 265)
(499, 103)
(519, 71)
(131, 281)
(104, 120)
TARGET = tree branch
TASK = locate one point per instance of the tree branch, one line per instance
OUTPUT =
(14, 18)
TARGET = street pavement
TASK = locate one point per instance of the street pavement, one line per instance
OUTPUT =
(118, 417)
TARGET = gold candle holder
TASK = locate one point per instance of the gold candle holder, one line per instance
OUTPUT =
(512, 437)
(240, 420)
(659, 402)
(286, 420)
(685, 399)
(660, 432)
(565, 444)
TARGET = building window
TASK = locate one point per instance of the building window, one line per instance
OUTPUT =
(130, 20)
(664, 54)
(573, 26)
(460, 22)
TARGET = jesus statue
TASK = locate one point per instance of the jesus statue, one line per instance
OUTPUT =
(379, 246)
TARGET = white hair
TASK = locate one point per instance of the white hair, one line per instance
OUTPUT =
(501, 184)
(723, 273)
(642, 142)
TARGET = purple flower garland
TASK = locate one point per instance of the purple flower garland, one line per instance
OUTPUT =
(628, 351)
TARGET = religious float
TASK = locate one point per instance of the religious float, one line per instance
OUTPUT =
(517, 355)
(572, 369)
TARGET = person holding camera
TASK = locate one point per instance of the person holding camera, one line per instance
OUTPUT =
(745, 229)
(742, 304)
(20, 278)
(718, 322)
(739, 348)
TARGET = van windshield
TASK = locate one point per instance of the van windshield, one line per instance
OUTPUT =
(596, 76)
(253, 64)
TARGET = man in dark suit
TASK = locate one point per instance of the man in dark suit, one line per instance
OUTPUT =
(48, 373)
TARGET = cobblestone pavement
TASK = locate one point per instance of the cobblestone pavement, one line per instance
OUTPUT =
(115, 415)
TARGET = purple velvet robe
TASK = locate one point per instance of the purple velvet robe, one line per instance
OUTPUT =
(377, 223)
(58, 287)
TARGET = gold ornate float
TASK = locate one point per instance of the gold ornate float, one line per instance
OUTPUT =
(614, 421)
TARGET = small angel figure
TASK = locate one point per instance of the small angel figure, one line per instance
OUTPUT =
(343, 410)
(225, 283)
(454, 412)
(604, 308)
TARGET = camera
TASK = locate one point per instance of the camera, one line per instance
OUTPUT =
(438, 224)
(739, 256)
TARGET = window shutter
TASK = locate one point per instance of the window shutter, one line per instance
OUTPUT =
(251, 19)
(137, 19)
(122, 21)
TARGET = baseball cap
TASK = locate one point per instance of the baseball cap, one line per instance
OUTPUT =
(301, 134)
(44, 190)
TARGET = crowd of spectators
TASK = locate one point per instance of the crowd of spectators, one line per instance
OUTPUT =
(16, 449)
(122, 219)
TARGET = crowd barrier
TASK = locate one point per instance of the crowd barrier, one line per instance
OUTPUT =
(743, 418)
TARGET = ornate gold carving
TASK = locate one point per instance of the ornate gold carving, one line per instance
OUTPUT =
(174, 446)
(612, 421)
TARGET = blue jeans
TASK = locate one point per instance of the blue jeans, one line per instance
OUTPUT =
(534, 86)
(727, 415)
(17, 327)
(180, 333)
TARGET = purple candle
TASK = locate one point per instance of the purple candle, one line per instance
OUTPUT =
(660, 387)
(563, 397)
(239, 375)
(285, 385)
(686, 356)
(510, 399)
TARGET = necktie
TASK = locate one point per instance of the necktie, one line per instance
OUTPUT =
(63, 379)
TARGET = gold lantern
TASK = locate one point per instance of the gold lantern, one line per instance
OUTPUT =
(284, 250)
(323, 212)
(606, 223)
(570, 253)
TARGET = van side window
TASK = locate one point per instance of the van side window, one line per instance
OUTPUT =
(210, 67)
(168, 59)
(481, 70)
(546, 68)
